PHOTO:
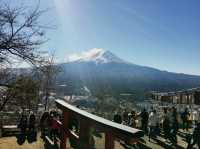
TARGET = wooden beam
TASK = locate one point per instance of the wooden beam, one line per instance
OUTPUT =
(87, 121)
(73, 134)
(49, 140)
(100, 122)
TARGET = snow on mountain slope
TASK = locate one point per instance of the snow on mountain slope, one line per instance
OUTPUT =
(95, 55)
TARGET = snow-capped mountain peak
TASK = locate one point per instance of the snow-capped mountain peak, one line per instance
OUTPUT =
(95, 55)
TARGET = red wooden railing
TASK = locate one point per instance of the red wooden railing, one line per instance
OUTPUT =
(87, 121)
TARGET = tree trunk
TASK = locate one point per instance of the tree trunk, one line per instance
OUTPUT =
(46, 101)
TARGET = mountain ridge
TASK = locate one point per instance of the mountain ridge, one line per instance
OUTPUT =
(119, 76)
(98, 51)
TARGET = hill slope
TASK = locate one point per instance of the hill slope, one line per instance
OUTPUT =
(102, 71)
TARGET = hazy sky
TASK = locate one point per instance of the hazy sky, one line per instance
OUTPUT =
(164, 34)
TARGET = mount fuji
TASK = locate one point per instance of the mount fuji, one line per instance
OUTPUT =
(98, 56)
(102, 72)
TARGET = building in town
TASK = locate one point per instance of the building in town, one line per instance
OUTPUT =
(190, 96)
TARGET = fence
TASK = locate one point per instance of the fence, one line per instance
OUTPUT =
(86, 122)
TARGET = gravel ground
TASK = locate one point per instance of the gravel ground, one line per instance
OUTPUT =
(161, 143)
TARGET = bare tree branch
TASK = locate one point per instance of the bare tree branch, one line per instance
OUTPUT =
(21, 33)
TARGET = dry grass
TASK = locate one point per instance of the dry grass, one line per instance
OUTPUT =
(11, 143)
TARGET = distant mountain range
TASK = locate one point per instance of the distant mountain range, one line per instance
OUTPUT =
(103, 72)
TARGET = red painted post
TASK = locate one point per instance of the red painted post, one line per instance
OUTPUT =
(109, 141)
(65, 134)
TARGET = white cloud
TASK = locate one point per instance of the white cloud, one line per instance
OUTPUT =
(90, 54)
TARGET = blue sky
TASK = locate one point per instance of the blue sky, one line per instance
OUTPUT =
(164, 34)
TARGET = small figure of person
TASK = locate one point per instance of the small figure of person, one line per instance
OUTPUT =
(195, 139)
(185, 118)
(22, 126)
(32, 135)
(166, 124)
(144, 120)
(133, 119)
(125, 117)
(32, 121)
(45, 123)
(174, 126)
(54, 126)
(153, 124)
(117, 118)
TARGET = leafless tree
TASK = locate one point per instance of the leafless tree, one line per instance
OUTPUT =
(23, 92)
(21, 34)
(48, 71)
